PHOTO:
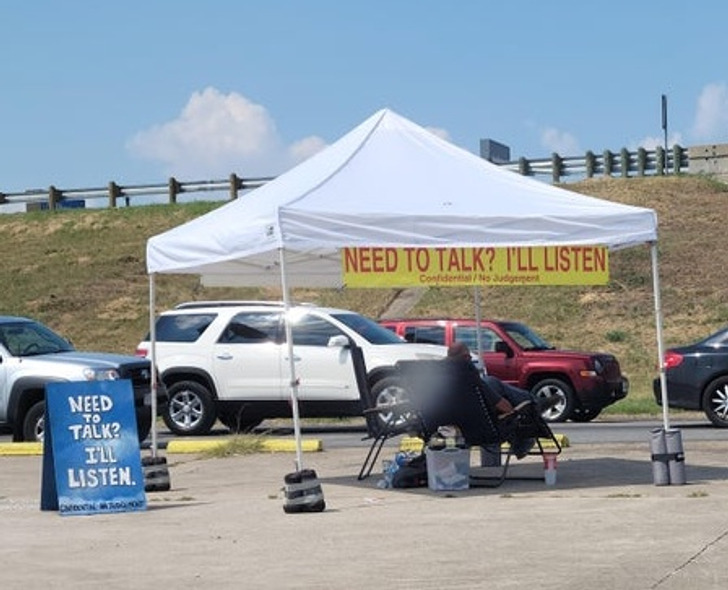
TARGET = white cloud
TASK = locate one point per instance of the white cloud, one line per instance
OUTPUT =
(561, 142)
(441, 133)
(217, 134)
(711, 116)
(652, 142)
(305, 148)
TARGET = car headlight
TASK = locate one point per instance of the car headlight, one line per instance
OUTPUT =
(598, 366)
(100, 374)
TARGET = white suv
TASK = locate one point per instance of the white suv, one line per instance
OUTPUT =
(228, 360)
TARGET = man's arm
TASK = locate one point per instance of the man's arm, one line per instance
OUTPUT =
(492, 390)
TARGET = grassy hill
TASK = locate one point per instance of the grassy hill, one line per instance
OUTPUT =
(83, 273)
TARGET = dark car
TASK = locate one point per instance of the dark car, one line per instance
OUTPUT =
(697, 377)
(584, 382)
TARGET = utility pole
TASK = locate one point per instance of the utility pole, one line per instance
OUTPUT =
(664, 130)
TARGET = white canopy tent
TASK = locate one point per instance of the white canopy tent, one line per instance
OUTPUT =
(387, 183)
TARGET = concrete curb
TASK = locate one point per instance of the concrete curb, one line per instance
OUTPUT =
(179, 446)
(21, 448)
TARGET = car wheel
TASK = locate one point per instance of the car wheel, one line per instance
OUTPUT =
(385, 392)
(190, 409)
(564, 407)
(715, 402)
(585, 414)
(34, 423)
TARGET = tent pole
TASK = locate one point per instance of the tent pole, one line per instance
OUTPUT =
(291, 362)
(658, 322)
(153, 359)
(478, 328)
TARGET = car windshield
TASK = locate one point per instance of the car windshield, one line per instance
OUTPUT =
(31, 338)
(368, 329)
(526, 338)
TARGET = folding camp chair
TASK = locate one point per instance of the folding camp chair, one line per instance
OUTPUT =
(383, 421)
(425, 383)
(525, 423)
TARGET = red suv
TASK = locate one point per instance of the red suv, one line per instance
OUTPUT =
(585, 382)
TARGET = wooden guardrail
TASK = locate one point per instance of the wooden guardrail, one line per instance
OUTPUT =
(623, 163)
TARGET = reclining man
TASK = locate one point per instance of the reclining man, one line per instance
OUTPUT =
(471, 398)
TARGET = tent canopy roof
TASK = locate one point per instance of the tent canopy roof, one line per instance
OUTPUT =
(388, 182)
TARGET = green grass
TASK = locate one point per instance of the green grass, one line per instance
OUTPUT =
(83, 273)
(238, 445)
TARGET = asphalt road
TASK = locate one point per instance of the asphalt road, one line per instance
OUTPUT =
(589, 433)
(352, 435)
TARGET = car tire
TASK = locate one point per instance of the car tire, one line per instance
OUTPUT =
(190, 410)
(34, 423)
(715, 402)
(387, 391)
(585, 414)
(562, 410)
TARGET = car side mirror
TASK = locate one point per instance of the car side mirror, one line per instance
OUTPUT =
(339, 341)
(503, 347)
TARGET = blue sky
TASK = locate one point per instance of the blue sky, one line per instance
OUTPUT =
(137, 91)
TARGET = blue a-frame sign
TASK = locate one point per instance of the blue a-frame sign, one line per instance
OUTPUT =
(91, 457)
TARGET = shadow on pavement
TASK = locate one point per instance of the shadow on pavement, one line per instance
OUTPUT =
(572, 474)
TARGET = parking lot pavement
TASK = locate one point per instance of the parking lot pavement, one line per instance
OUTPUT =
(604, 524)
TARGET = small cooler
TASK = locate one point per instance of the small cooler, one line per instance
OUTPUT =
(448, 468)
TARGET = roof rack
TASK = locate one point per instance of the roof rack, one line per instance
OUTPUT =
(232, 303)
(196, 304)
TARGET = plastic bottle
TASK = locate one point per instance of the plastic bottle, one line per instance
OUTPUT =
(401, 458)
(388, 469)
(549, 473)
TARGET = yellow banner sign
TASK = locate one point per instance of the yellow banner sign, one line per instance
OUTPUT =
(460, 267)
